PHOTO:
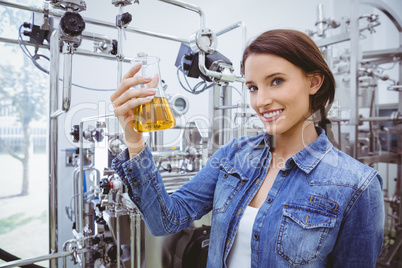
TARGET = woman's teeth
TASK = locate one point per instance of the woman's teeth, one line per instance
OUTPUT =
(272, 114)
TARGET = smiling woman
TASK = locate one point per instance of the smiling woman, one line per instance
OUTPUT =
(281, 99)
(289, 193)
(295, 73)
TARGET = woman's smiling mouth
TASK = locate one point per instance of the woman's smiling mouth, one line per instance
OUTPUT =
(270, 116)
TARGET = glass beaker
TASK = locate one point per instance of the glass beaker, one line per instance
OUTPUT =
(156, 115)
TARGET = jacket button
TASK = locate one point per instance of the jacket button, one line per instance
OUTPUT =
(225, 175)
(135, 180)
(284, 173)
(269, 200)
(290, 163)
(256, 237)
(130, 170)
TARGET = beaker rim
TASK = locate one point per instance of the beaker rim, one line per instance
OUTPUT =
(146, 59)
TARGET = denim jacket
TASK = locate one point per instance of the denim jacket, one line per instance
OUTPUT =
(325, 209)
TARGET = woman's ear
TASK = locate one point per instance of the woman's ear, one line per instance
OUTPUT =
(316, 80)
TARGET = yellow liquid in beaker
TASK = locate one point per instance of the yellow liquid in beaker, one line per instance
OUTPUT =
(156, 115)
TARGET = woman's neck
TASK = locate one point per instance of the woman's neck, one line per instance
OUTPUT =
(291, 142)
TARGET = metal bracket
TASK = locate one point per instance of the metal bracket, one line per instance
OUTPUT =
(72, 5)
(117, 3)
(203, 40)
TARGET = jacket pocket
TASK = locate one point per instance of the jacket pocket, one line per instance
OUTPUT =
(229, 183)
(302, 233)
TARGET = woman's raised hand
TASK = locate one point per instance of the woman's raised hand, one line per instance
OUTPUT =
(126, 98)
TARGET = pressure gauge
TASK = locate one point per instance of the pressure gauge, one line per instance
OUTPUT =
(180, 104)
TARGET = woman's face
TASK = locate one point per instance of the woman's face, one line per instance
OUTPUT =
(279, 92)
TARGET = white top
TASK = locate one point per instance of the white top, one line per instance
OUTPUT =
(240, 253)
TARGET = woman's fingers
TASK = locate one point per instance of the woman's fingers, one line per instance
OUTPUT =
(126, 98)
(133, 70)
(124, 84)
(130, 80)
(127, 84)
(133, 93)
(127, 106)
(154, 82)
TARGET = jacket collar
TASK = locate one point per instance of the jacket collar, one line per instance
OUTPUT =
(308, 158)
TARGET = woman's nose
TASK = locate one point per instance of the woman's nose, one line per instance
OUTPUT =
(264, 98)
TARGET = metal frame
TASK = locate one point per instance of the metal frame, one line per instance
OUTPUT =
(55, 112)
(371, 57)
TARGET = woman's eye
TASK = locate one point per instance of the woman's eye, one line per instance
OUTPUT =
(252, 89)
(277, 81)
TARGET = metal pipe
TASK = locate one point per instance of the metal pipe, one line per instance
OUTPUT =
(83, 52)
(132, 239)
(226, 125)
(97, 22)
(96, 37)
(168, 176)
(158, 35)
(161, 155)
(395, 88)
(77, 51)
(399, 169)
(138, 238)
(238, 24)
(137, 30)
(354, 81)
(320, 20)
(243, 105)
(189, 7)
(339, 135)
(29, 8)
(225, 107)
(222, 76)
(52, 256)
(387, 10)
(118, 240)
(119, 56)
(376, 119)
(67, 76)
(53, 142)
(76, 188)
(75, 193)
(332, 40)
(395, 118)
(15, 41)
(80, 197)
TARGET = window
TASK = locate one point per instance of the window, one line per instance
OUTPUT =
(23, 136)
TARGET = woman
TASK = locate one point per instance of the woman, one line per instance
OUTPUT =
(287, 198)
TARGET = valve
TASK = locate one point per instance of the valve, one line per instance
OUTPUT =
(99, 135)
(123, 20)
(96, 240)
(105, 186)
(75, 132)
(96, 255)
(396, 118)
(90, 134)
(114, 47)
(71, 27)
(72, 24)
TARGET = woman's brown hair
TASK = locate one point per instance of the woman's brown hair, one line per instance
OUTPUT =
(300, 50)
